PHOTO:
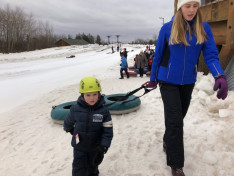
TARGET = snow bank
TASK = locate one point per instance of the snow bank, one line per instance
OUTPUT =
(31, 144)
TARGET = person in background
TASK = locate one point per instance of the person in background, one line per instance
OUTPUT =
(150, 62)
(125, 53)
(91, 127)
(179, 45)
(124, 66)
(135, 61)
(147, 54)
(141, 63)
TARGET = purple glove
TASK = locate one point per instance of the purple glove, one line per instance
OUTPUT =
(221, 84)
(151, 84)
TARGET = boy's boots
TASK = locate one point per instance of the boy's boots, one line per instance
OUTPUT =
(177, 172)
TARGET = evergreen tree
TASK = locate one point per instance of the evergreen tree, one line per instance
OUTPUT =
(78, 36)
(98, 39)
(85, 37)
(91, 38)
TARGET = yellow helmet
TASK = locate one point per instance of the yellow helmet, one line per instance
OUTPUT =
(89, 84)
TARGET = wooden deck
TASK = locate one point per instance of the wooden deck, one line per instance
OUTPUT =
(220, 16)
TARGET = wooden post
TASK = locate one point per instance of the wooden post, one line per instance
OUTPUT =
(220, 16)
(230, 25)
(227, 51)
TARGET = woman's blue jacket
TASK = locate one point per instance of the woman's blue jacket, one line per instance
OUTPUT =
(177, 63)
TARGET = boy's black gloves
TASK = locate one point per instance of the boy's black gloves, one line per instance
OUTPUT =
(102, 149)
(99, 155)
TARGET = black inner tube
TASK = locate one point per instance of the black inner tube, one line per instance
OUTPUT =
(118, 98)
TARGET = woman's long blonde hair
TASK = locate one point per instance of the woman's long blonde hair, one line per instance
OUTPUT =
(181, 26)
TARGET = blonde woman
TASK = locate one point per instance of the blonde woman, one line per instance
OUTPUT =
(179, 45)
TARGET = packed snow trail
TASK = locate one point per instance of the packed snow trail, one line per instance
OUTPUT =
(21, 81)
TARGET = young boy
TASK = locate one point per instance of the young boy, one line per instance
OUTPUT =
(90, 124)
(124, 66)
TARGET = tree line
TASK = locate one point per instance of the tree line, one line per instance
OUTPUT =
(90, 38)
(21, 32)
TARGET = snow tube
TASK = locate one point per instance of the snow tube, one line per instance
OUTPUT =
(148, 73)
(71, 56)
(145, 70)
(121, 108)
(131, 68)
(60, 112)
(131, 74)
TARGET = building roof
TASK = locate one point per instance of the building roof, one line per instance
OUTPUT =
(75, 41)
(230, 74)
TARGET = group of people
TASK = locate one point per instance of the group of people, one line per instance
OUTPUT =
(142, 60)
(174, 69)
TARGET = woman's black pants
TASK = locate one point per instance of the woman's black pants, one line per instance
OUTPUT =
(176, 100)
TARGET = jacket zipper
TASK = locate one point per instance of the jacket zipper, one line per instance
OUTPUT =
(169, 70)
(216, 69)
(184, 66)
(87, 124)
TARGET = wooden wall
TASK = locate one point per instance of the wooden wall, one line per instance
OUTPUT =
(220, 16)
(61, 43)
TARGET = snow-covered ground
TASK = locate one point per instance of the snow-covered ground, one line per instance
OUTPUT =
(31, 144)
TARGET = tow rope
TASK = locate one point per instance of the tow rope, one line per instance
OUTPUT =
(123, 99)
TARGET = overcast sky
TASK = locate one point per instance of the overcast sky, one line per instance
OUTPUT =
(131, 19)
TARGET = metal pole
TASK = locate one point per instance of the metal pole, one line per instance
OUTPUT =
(162, 19)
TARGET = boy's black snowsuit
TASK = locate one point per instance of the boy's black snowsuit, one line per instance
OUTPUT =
(93, 124)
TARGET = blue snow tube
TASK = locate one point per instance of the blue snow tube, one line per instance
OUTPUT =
(144, 71)
(116, 105)
(60, 112)
(113, 103)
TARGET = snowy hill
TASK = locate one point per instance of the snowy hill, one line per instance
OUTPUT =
(33, 145)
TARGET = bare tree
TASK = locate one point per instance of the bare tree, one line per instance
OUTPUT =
(20, 32)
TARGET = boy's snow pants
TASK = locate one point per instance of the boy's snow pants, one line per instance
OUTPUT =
(176, 100)
(82, 165)
(126, 71)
